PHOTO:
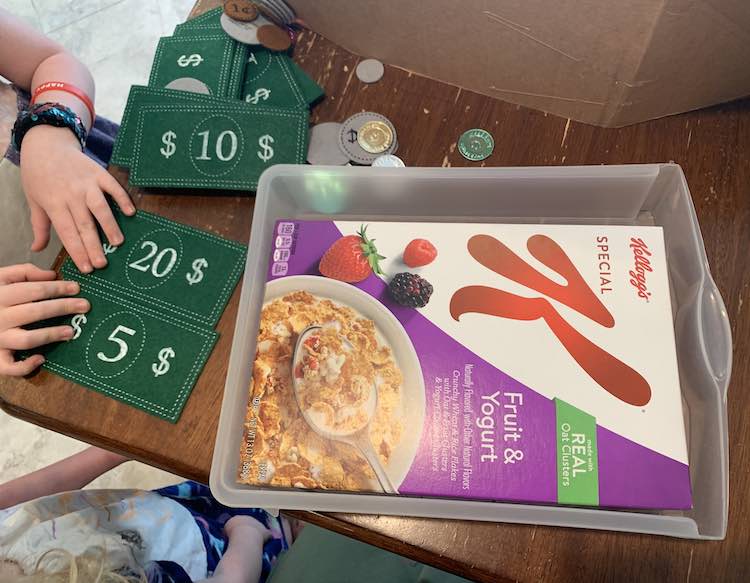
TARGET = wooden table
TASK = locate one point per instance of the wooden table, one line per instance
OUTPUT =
(712, 146)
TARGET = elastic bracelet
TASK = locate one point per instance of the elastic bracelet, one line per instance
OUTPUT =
(67, 88)
(53, 114)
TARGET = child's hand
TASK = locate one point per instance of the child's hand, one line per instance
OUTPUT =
(249, 526)
(66, 187)
(29, 294)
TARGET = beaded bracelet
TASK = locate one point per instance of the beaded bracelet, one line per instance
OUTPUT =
(54, 114)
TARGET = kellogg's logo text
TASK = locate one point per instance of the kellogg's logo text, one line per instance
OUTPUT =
(642, 266)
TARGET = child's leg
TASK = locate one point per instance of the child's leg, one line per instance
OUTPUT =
(72, 473)
(242, 562)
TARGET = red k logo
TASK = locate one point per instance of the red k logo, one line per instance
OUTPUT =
(611, 374)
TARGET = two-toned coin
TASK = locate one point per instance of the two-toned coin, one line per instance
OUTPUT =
(377, 135)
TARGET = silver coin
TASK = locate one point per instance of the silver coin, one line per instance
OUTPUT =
(286, 9)
(279, 9)
(348, 137)
(188, 84)
(370, 71)
(388, 161)
(244, 32)
(324, 145)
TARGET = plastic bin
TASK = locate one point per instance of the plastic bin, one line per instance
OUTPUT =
(655, 194)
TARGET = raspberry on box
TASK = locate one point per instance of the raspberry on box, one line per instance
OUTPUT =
(419, 252)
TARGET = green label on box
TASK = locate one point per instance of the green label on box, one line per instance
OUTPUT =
(577, 459)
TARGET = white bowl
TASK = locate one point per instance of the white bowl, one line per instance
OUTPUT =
(389, 332)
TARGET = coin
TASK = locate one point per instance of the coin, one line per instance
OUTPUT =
(274, 37)
(284, 9)
(188, 84)
(244, 32)
(476, 144)
(370, 71)
(388, 161)
(324, 145)
(277, 11)
(349, 133)
(375, 137)
(242, 10)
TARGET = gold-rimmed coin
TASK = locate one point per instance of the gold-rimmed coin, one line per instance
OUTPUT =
(242, 10)
(375, 137)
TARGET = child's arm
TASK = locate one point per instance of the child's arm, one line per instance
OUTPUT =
(242, 562)
(72, 473)
(63, 186)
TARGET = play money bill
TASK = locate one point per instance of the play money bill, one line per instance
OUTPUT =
(215, 147)
(207, 58)
(172, 267)
(133, 353)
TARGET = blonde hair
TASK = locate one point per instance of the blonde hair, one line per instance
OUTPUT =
(88, 568)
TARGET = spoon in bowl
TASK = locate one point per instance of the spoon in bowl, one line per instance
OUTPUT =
(359, 437)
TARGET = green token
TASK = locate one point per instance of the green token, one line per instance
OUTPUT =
(476, 144)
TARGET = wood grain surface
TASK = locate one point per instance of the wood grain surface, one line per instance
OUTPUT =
(713, 148)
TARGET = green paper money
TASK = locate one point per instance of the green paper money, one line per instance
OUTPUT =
(221, 147)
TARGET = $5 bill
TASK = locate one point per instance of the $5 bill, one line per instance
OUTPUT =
(132, 353)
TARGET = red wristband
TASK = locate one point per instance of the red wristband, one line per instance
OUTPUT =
(67, 88)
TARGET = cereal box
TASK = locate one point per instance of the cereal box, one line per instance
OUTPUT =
(509, 362)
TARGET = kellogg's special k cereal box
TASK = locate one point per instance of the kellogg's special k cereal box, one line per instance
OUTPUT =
(525, 363)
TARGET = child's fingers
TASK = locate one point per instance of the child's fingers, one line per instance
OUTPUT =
(109, 184)
(25, 272)
(16, 316)
(10, 367)
(19, 339)
(71, 240)
(247, 524)
(35, 291)
(40, 226)
(103, 214)
(89, 235)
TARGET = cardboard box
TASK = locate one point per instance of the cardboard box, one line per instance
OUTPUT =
(601, 62)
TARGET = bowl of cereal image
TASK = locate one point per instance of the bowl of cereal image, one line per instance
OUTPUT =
(366, 344)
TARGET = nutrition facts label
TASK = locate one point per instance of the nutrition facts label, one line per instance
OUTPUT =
(282, 249)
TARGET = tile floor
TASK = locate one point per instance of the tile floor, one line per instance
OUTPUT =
(116, 39)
